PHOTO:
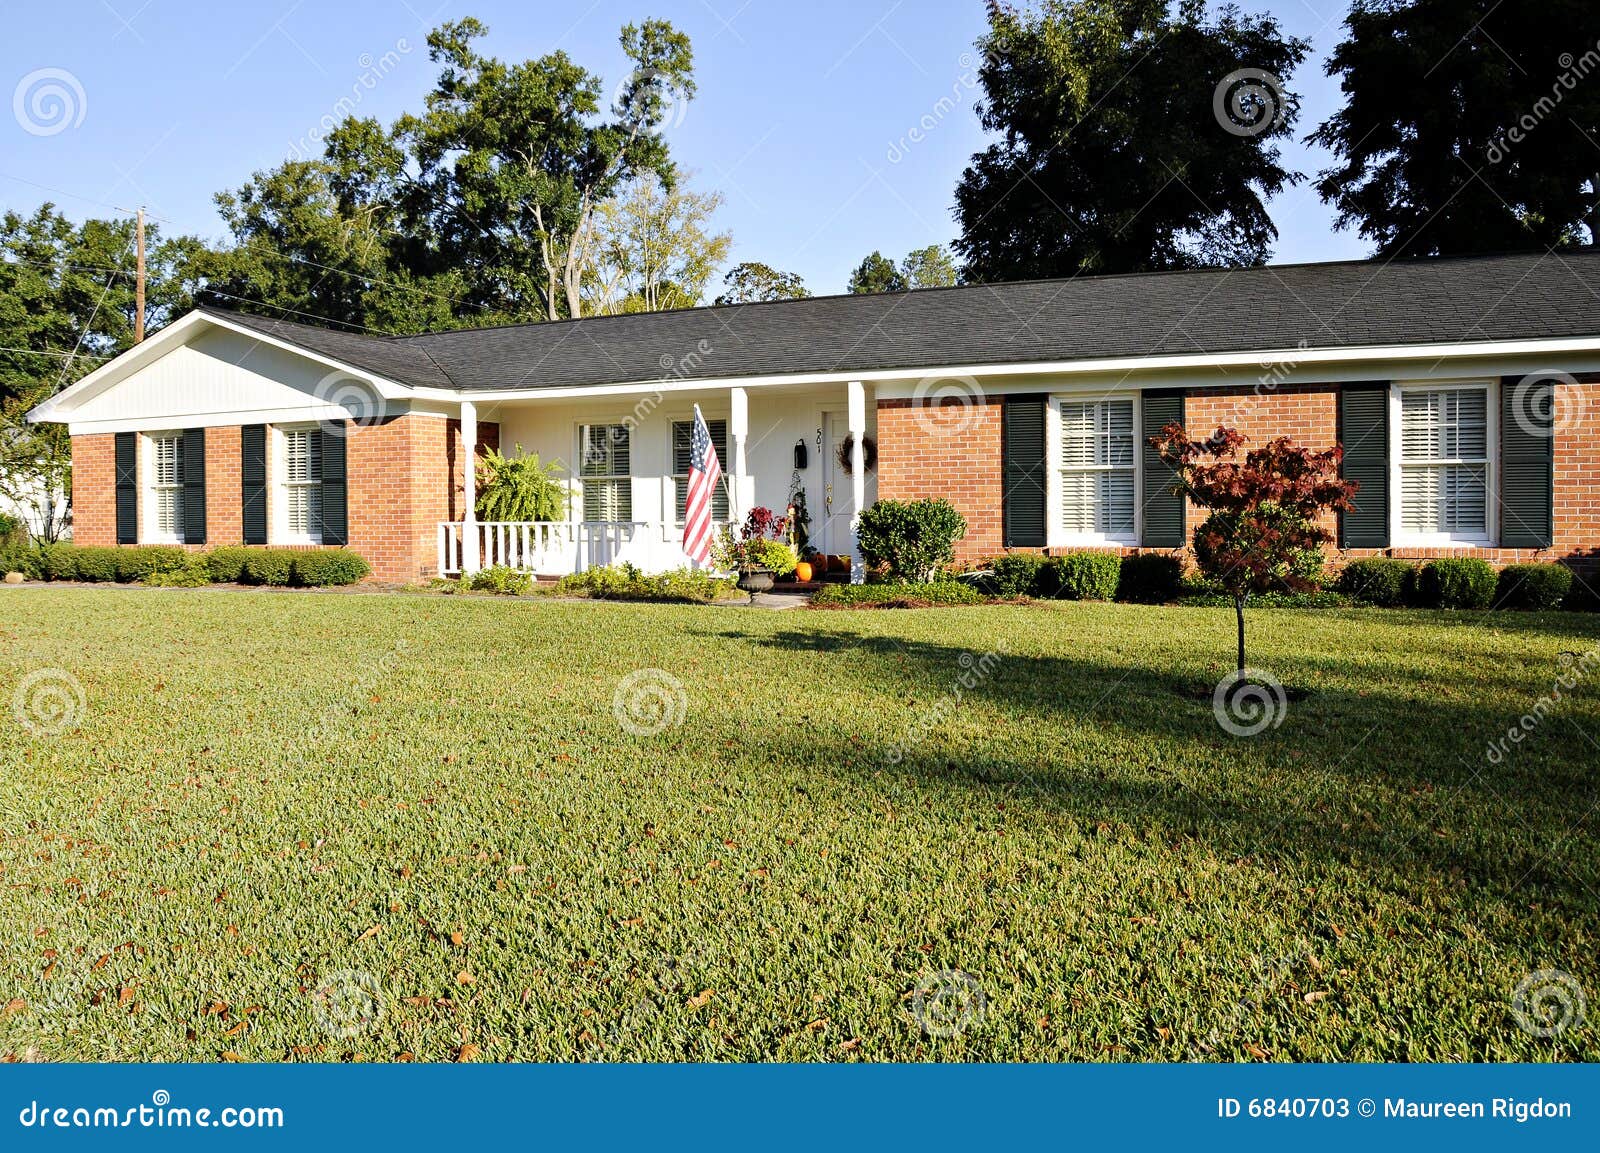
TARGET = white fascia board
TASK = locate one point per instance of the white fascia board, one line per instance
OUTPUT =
(1371, 362)
(59, 407)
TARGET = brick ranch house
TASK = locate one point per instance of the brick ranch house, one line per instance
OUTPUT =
(1466, 393)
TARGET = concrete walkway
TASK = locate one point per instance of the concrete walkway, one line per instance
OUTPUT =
(768, 601)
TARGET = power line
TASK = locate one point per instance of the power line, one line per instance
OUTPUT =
(54, 352)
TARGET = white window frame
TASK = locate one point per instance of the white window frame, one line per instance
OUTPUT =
(1398, 537)
(150, 532)
(624, 480)
(669, 494)
(278, 503)
(1056, 535)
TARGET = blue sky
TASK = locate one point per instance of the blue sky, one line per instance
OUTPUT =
(803, 119)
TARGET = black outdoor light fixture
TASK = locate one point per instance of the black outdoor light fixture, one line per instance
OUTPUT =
(799, 454)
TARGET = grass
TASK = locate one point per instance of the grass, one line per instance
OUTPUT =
(267, 790)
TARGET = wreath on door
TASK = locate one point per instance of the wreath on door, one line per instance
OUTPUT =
(869, 453)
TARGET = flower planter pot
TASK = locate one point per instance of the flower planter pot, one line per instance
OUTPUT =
(755, 580)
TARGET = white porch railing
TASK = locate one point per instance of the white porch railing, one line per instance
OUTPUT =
(544, 547)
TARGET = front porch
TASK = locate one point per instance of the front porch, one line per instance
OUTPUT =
(622, 462)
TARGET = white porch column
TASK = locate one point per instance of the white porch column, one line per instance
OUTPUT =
(469, 488)
(738, 429)
(858, 475)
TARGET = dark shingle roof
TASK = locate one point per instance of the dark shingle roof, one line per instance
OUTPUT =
(1342, 305)
(396, 358)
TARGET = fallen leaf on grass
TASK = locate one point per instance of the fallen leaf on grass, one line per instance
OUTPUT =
(700, 999)
(467, 1052)
(465, 978)
(370, 933)
(456, 938)
(15, 1006)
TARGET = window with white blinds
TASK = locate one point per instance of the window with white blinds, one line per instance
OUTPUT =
(605, 472)
(166, 486)
(1444, 463)
(1096, 467)
(302, 484)
(682, 431)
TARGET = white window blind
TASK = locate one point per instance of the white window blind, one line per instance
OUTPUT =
(166, 482)
(605, 472)
(1097, 468)
(1444, 462)
(302, 483)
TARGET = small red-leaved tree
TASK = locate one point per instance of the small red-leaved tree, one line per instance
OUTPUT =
(1262, 532)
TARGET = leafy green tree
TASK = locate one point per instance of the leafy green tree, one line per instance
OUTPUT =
(655, 248)
(752, 281)
(1112, 155)
(877, 273)
(930, 267)
(1466, 127)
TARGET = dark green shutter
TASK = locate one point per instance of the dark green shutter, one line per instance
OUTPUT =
(1364, 434)
(253, 482)
(194, 486)
(1527, 462)
(127, 480)
(335, 498)
(1163, 508)
(1022, 475)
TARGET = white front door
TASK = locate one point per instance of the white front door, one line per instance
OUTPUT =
(838, 501)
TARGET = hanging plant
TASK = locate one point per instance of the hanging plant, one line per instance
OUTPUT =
(869, 453)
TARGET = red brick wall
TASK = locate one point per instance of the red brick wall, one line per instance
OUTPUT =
(921, 454)
(404, 478)
(94, 489)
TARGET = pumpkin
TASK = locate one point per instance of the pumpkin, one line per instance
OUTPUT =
(802, 571)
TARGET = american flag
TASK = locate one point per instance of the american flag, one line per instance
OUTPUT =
(705, 473)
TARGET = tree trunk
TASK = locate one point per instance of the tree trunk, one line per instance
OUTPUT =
(1238, 609)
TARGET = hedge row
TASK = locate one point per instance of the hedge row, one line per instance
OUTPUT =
(1148, 578)
(171, 565)
(1457, 583)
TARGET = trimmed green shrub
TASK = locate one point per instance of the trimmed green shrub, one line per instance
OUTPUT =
(1016, 574)
(1584, 596)
(502, 580)
(138, 562)
(1456, 583)
(1150, 578)
(908, 540)
(896, 595)
(1205, 594)
(1378, 581)
(1082, 576)
(194, 574)
(1536, 587)
(626, 582)
(58, 562)
(91, 564)
(322, 569)
(22, 558)
(226, 564)
(13, 531)
(269, 566)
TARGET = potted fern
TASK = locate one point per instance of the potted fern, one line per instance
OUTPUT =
(519, 488)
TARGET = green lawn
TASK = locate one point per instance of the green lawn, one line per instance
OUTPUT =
(268, 790)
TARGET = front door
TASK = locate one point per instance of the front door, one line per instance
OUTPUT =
(838, 502)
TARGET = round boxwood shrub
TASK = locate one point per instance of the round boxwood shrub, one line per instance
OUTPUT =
(269, 566)
(1150, 578)
(320, 569)
(1016, 574)
(1537, 587)
(1378, 580)
(1456, 583)
(226, 564)
(910, 539)
(134, 564)
(1082, 576)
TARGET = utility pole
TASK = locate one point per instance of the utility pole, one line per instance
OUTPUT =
(138, 284)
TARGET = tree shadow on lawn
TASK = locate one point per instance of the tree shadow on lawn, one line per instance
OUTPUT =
(1381, 778)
